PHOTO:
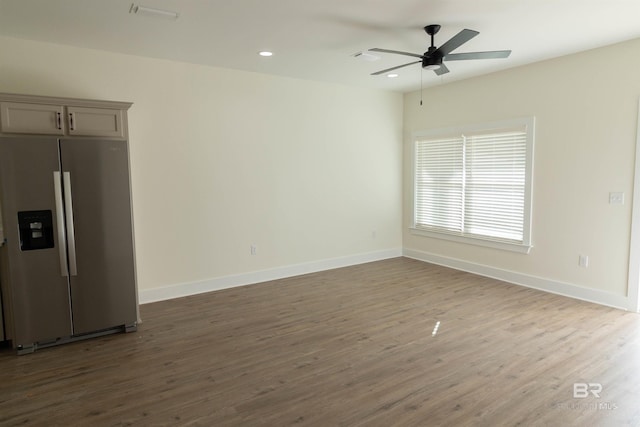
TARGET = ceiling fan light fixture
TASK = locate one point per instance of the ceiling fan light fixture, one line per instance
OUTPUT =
(432, 67)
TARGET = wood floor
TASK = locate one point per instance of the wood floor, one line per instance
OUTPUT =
(349, 347)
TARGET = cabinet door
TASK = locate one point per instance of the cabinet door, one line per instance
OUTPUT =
(86, 121)
(18, 117)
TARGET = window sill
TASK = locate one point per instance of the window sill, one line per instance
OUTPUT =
(495, 244)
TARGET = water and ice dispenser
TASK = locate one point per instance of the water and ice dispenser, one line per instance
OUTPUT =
(36, 230)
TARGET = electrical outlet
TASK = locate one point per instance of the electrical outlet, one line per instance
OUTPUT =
(583, 260)
(616, 198)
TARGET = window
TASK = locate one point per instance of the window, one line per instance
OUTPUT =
(473, 184)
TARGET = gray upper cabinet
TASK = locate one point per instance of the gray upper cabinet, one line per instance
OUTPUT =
(23, 114)
(85, 121)
(19, 117)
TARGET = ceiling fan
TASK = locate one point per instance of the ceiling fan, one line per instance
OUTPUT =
(433, 57)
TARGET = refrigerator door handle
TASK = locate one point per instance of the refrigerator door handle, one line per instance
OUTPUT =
(68, 211)
(62, 247)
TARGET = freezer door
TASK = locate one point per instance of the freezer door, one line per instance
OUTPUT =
(34, 279)
(100, 234)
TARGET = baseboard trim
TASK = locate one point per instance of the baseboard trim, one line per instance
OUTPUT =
(552, 286)
(232, 281)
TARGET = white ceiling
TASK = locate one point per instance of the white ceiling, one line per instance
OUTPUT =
(315, 39)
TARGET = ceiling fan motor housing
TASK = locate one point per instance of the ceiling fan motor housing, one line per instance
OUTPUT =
(432, 58)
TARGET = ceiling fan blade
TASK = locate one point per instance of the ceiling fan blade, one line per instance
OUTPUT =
(442, 70)
(397, 52)
(478, 55)
(456, 41)
(394, 68)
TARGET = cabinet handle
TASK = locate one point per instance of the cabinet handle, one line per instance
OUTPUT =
(59, 120)
(72, 125)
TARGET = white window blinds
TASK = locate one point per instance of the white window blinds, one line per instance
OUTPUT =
(495, 185)
(475, 184)
(440, 184)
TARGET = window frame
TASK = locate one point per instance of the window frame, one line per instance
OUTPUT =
(525, 123)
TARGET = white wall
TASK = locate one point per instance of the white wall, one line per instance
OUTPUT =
(221, 159)
(586, 119)
(307, 171)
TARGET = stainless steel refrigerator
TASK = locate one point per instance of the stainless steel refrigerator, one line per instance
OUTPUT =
(68, 257)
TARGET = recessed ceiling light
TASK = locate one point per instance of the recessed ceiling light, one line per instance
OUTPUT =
(153, 13)
(392, 75)
(265, 53)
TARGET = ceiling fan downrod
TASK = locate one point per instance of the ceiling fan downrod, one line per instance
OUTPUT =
(432, 30)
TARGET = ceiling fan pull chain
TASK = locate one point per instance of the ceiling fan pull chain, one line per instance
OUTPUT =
(421, 90)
